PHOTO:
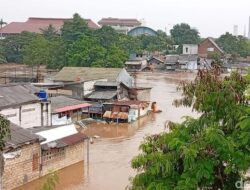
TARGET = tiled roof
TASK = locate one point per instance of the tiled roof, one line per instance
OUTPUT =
(70, 74)
(36, 24)
(119, 21)
(13, 95)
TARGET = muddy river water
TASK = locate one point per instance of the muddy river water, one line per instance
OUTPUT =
(110, 155)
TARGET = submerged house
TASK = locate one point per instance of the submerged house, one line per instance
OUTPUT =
(135, 64)
(81, 80)
(208, 47)
(126, 111)
(171, 62)
(21, 105)
(31, 154)
(156, 63)
(188, 62)
(66, 110)
(108, 91)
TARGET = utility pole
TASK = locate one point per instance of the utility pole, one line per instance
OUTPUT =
(1, 26)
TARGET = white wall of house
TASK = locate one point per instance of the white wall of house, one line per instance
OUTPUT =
(28, 115)
(190, 49)
(88, 86)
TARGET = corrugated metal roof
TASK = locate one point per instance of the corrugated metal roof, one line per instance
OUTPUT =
(60, 102)
(69, 74)
(106, 83)
(20, 136)
(16, 95)
(102, 95)
(60, 132)
(172, 58)
(115, 115)
(70, 108)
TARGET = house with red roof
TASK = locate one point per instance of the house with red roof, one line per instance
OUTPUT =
(36, 24)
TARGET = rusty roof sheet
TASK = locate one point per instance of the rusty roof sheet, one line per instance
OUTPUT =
(66, 141)
(63, 102)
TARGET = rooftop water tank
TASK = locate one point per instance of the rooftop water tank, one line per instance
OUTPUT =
(43, 96)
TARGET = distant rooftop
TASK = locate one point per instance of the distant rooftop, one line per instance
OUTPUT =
(70, 74)
(35, 24)
(119, 21)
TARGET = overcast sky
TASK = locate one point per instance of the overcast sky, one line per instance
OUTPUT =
(210, 17)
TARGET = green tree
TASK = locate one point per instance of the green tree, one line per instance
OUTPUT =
(4, 134)
(234, 45)
(73, 29)
(51, 180)
(50, 32)
(184, 34)
(211, 152)
(85, 52)
(42, 51)
(13, 45)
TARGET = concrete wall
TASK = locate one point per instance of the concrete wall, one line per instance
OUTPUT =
(26, 116)
(88, 86)
(73, 154)
(190, 49)
(19, 170)
(125, 78)
(29, 115)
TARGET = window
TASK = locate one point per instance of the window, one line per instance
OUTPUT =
(28, 110)
(186, 50)
(35, 162)
(52, 154)
(11, 115)
(210, 49)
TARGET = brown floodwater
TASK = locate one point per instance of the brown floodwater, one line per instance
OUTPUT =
(110, 155)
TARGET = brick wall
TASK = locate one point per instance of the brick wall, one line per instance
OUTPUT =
(73, 154)
(19, 170)
(26, 167)
(203, 48)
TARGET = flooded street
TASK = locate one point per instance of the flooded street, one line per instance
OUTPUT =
(110, 155)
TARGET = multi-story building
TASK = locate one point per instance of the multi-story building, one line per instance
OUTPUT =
(119, 24)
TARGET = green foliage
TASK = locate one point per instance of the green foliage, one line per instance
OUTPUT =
(78, 45)
(50, 33)
(234, 45)
(73, 29)
(42, 51)
(13, 45)
(211, 152)
(51, 180)
(184, 34)
(4, 131)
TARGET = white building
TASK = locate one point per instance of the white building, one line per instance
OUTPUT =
(20, 105)
(190, 49)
